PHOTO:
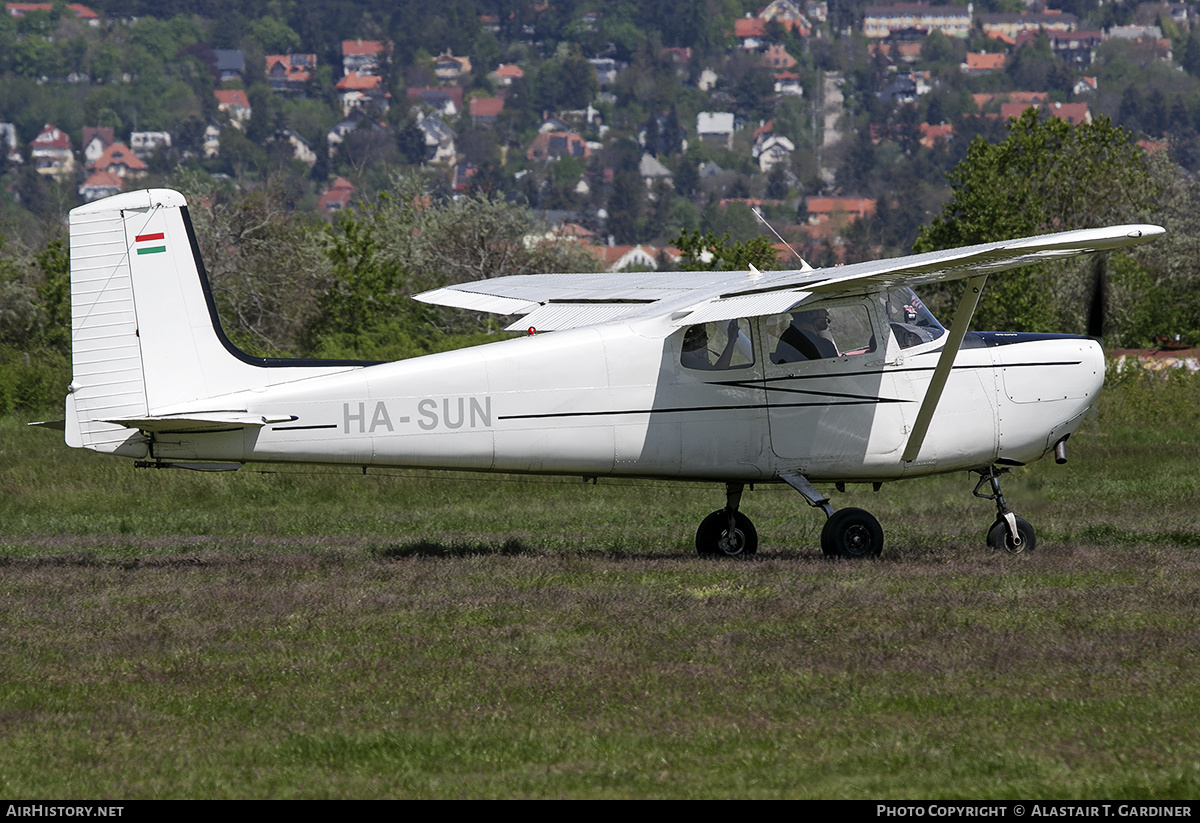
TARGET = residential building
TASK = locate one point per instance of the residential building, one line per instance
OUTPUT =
(445, 101)
(357, 91)
(450, 69)
(95, 140)
(715, 127)
(52, 154)
(231, 64)
(9, 142)
(81, 12)
(1074, 113)
(100, 185)
(554, 145)
(880, 21)
(838, 210)
(120, 160)
(1009, 26)
(235, 103)
(787, 84)
(290, 72)
(364, 56)
(506, 73)
(439, 139)
(772, 151)
(300, 148)
(485, 110)
(338, 197)
(145, 143)
(652, 171)
(983, 63)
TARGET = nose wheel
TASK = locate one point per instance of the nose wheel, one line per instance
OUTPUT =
(1009, 533)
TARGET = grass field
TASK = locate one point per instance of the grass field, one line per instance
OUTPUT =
(324, 634)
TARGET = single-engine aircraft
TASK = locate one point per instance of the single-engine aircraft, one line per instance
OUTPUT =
(835, 375)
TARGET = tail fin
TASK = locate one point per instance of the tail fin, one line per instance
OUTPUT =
(145, 339)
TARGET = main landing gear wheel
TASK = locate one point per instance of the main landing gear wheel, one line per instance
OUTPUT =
(1000, 537)
(852, 533)
(715, 537)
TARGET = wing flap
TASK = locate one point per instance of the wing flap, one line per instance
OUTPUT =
(556, 316)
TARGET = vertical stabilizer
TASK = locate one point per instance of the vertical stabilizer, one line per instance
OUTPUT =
(145, 339)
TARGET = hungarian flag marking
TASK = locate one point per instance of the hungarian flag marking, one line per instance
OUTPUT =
(150, 238)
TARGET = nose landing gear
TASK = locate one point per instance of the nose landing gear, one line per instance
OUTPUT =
(1009, 533)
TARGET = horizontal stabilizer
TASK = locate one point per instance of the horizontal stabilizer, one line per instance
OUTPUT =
(203, 421)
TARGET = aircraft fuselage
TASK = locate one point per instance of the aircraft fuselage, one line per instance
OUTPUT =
(614, 400)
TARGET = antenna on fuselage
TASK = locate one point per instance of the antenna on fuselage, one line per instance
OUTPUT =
(804, 266)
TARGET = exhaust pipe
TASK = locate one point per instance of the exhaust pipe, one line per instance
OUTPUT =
(1060, 451)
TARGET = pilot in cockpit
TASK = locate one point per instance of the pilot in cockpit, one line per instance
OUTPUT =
(807, 338)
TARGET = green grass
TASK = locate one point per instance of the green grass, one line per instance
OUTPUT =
(325, 634)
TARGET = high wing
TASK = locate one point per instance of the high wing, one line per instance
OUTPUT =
(561, 301)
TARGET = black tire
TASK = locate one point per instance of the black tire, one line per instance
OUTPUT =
(998, 537)
(713, 538)
(852, 533)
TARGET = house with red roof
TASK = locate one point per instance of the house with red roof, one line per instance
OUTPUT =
(838, 211)
(290, 72)
(235, 103)
(630, 258)
(983, 63)
(357, 91)
(52, 154)
(485, 110)
(118, 159)
(364, 56)
(337, 197)
(81, 12)
(1074, 113)
(506, 73)
(931, 135)
(101, 184)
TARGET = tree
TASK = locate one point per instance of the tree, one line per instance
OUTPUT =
(1152, 293)
(263, 260)
(1045, 176)
(408, 242)
(707, 252)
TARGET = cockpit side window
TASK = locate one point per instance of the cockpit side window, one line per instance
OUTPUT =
(718, 346)
(816, 334)
(911, 323)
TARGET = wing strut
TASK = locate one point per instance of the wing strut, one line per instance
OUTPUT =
(954, 338)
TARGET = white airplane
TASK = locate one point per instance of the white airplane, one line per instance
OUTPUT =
(835, 375)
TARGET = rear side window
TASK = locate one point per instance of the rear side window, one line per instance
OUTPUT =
(717, 346)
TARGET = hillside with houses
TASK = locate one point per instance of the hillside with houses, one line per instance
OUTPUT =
(611, 126)
(595, 115)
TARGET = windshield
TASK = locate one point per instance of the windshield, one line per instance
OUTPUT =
(910, 321)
